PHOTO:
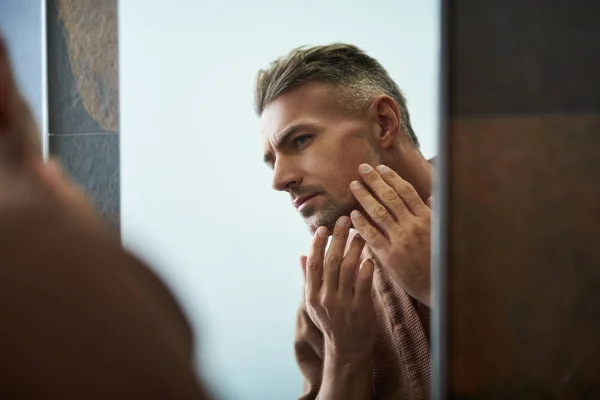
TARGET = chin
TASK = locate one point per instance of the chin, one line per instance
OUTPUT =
(326, 215)
(311, 229)
(315, 221)
(311, 224)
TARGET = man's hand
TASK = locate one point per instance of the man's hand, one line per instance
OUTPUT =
(338, 294)
(338, 300)
(401, 238)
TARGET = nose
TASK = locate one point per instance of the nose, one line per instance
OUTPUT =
(285, 174)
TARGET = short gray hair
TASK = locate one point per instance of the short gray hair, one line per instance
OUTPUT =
(342, 65)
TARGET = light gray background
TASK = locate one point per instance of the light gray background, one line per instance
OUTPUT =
(22, 24)
(195, 196)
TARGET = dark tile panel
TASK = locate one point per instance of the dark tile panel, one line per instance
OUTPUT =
(524, 56)
(523, 257)
(92, 161)
(82, 66)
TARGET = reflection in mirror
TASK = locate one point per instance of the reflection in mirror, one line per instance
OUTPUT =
(209, 94)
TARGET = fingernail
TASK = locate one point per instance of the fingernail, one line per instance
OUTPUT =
(344, 221)
(355, 214)
(322, 231)
(365, 168)
(355, 185)
(382, 168)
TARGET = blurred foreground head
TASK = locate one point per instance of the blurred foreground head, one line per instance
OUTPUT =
(80, 317)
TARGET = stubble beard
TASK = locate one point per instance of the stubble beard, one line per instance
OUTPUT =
(325, 215)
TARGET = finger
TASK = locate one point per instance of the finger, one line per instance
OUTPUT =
(405, 190)
(353, 232)
(383, 192)
(364, 281)
(335, 254)
(374, 209)
(19, 137)
(349, 268)
(303, 266)
(368, 232)
(314, 264)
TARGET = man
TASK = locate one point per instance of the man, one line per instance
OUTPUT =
(81, 318)
(337, 134)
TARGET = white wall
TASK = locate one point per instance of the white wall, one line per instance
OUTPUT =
(196, 197)
(23, 27)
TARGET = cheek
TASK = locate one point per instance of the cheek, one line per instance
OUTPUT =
(336, 165)
(338, 185)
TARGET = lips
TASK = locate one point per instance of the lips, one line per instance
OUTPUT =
(298, 201)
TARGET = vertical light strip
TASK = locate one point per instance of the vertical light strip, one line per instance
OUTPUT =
(44, 124)
(439, 251)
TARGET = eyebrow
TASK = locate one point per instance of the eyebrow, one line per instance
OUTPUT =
(283, 136)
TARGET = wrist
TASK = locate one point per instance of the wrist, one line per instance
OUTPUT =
(349, 367)
(347, 376)
(343, 355)
(339, 357)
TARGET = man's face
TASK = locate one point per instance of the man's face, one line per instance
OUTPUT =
(315, 148)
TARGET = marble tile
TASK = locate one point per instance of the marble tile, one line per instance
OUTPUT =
(92, 161)
(82, 66)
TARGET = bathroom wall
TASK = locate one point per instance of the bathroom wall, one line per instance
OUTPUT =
(22, 24)
(83, 97)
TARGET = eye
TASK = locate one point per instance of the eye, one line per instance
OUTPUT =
(300, 140)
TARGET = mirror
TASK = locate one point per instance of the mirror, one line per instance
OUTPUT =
(196, 196)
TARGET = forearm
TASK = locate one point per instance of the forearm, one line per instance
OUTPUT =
(347, 378)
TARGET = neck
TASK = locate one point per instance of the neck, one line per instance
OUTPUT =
(409, 163)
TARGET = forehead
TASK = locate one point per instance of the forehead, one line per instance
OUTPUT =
(310, 103)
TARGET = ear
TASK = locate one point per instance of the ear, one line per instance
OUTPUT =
(386, 114)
